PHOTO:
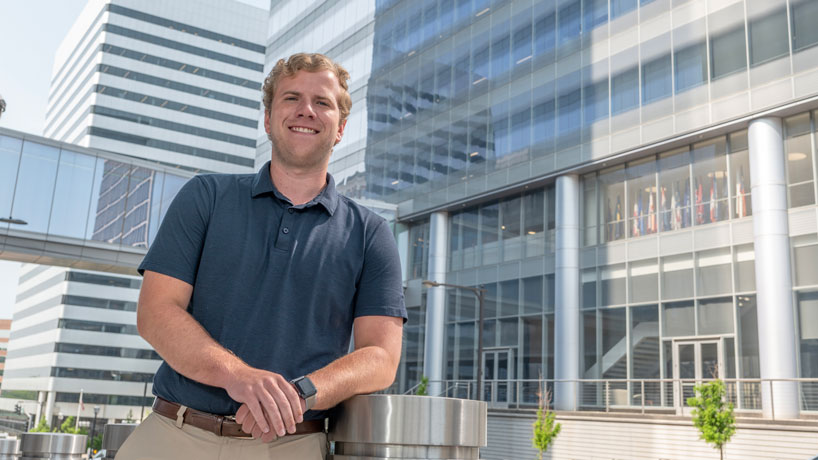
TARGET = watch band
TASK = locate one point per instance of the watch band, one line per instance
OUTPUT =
(306, 390)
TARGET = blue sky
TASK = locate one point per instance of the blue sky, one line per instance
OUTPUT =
(30, 31)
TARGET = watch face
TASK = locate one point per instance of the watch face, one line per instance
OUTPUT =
(305, 387)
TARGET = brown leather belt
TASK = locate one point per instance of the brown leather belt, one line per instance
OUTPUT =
(222, 425)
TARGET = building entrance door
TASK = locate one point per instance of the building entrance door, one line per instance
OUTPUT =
(498, 368)
(694, 361)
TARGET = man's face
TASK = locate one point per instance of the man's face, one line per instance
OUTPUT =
(304, 119)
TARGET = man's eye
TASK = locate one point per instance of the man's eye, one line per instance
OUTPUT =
(324, 103)
(289, 98)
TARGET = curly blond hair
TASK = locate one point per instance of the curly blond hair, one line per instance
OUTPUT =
(310, 62)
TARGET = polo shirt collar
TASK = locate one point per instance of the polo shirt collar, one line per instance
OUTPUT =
(263, 184)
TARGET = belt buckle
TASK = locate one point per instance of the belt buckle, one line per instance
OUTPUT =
(220, 419)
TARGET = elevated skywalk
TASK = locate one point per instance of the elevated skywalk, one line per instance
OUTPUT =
(71, 206)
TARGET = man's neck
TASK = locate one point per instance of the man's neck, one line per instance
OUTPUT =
(299, 186)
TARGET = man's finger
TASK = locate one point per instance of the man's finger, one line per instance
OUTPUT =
(258, 414)
(242, 413)
(248, 425)
(295, 403)
(272, 412)
(287, 413)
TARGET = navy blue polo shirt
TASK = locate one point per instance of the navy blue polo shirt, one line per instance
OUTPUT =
(278, 285)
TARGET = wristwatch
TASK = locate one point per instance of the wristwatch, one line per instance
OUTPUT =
(305, 389)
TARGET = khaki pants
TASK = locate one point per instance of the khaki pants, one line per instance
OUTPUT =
(157, 437)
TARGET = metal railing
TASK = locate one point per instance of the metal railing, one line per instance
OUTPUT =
(632, 395)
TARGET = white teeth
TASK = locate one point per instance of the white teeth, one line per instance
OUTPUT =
(299, 129)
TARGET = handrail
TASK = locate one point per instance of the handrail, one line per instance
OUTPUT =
(643, 395)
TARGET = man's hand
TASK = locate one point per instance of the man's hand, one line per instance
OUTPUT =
(248, 423)
(268, 401)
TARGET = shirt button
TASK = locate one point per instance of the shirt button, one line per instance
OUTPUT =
(285, 230)
(291, 210)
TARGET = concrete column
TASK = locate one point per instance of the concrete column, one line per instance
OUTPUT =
(566, 318)
(49, 407)
(435, 338)
(776, 323)
(40, 403)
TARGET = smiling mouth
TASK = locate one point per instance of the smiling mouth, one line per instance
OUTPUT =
(301, 129)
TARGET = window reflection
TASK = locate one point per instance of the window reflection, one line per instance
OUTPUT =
(35, 185)
(710, 182)
(75, 179)
(9, 161)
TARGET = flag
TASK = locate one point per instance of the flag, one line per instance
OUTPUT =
(699, 204)
(665, 214)
(686, 211)
(652, 214)
(642, 212)
(618, 231)
(675, 210)
(608, 224)
(741, 202)
(635, 231)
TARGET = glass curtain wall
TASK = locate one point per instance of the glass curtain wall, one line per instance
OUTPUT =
(696, 185)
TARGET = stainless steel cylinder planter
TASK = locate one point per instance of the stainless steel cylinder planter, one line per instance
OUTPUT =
(9, 448)
(380, 427)
(115, 435)
(55, 446)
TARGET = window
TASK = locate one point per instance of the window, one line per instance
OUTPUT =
(674, 190)
(612, 286)
(595, 102)
(642, 217)
(709, 194)
(594, 13)
(589, 215)
(620, 7)
(691, 67)
(656, 79)
(677, 277)
(489, 223)
(625, 91)
(740, 175)
(644, 279)
(533, 209)
(804, 14)
(510, 228)
(727, 53)
(569, 22)
(798, 147)
(768, 37)
(612, 201)
(713, 270)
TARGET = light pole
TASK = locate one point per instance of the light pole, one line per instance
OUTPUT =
(480, 292)
(93, 429)
(11, 220)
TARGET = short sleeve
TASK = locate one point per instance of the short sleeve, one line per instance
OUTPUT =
(380, 289)
(177, 248)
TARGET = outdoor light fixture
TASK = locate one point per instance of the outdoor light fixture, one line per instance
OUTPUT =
(480, 293)
(2, 105)
(11, 220)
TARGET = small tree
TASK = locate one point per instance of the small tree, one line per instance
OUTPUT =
(41, 427)
(545, 427)
(129, 418)
(68, 426)
(712, 415)
(422, 386)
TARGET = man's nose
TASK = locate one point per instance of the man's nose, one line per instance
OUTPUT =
(305, 109)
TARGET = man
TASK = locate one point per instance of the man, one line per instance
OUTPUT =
(253, 283)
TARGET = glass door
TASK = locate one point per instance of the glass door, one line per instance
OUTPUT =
(694, 362)
(498, 368)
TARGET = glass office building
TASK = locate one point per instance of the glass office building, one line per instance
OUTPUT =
(633, 183)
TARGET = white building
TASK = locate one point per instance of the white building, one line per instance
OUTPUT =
(175, 82)
(75, 330)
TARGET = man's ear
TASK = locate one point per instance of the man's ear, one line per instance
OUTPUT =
(267, 122)
(340, 134)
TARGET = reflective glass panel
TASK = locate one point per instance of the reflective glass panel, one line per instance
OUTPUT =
(798, 147)
(9, 161)
(532, 347)
(716, 316)
(740, 175)
(642, 196)
(75, 180)
(713, 272)
(727, 53)
(644, 281)
(614, 206)
(511, 212)
(589, 344)
(614, 328)
(533, 294)
(677, 319)
(804, 14)
(489, 223)
(533, 209)
(768, 37)
(710, 182)
(674, 190)
(612, 285)
(35, 186)
(510, 298)
(645, 342)
(748, 337)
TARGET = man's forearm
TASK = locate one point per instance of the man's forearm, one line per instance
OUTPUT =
(365, 370)
(186, 346)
